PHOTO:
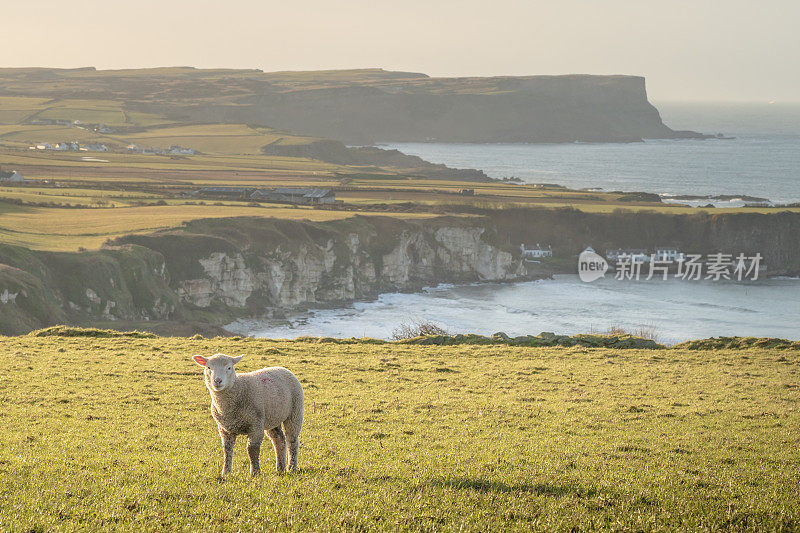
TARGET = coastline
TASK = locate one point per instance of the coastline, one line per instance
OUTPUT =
(563, 305)
(696, 172)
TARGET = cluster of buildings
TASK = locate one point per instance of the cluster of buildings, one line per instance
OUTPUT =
(70, 146)
(640, 255)
(279, 195)
(73, 146)
(55, 122)
(172, 150)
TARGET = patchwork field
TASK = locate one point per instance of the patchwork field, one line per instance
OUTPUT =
(126, 184)
(115, 433)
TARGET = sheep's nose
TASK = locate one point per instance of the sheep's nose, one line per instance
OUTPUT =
(217, 381)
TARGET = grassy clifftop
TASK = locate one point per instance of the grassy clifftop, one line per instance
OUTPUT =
(115, 433)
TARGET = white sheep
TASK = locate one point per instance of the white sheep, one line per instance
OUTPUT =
(251, 404)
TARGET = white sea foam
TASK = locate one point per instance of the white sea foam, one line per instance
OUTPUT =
(679, 310)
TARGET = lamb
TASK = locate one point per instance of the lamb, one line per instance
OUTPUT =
(252, 404)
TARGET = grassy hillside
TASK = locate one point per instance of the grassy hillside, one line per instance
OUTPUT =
(115, 433)
(27, 122)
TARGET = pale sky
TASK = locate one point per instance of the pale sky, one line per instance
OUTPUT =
(727, 50)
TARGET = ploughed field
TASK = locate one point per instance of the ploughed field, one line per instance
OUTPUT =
(115, 433)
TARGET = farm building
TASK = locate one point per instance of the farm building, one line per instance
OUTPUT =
(11, 176)
(180, 150)
(296, 196)
(231, 192)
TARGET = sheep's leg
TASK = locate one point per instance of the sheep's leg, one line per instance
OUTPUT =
(254, 450)
(293, 443)
(228, 440)
(279, 443)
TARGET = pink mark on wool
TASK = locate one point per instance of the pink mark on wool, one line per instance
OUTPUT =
(264, 380)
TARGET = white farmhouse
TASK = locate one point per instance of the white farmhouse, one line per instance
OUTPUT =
(66, 147)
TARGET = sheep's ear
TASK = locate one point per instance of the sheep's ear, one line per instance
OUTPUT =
(237, 359)
(199, 359)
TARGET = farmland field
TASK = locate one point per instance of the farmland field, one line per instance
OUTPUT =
(115, 433)
(59, 229)
(230, 154)
(121, 185)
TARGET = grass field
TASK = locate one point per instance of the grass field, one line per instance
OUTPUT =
(58, 229)
(16, 109)
(115, 433)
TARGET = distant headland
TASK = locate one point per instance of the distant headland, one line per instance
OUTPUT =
(366, 106)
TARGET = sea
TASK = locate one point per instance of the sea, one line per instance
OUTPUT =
(762, 160)
(758, 158)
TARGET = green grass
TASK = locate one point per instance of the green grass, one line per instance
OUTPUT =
(59, 229)
(15, 110)
(115, 433)
(232, 139)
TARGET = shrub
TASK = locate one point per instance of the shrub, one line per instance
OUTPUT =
(68, 331)
(417, 329)
(645, 331)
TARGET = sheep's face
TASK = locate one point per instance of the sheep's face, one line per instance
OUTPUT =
(219, 371)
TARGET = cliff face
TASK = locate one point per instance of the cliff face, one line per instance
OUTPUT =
(343, 262)
(46, 288)
(775, 236)
(241, 267)
(482, 110)
(212, 271)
